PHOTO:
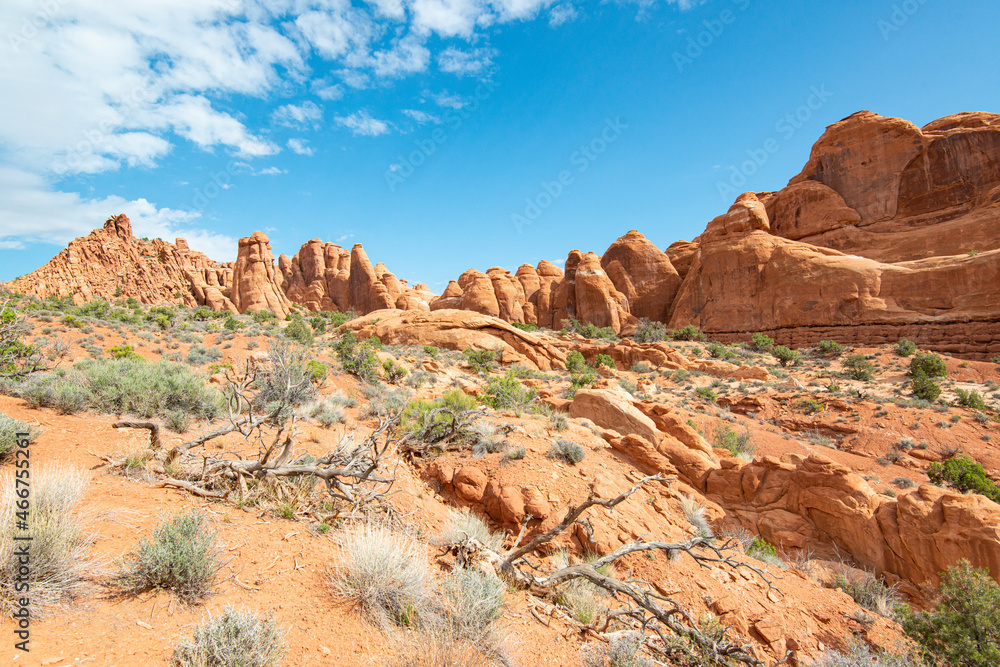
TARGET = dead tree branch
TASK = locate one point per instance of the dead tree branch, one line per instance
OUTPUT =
(667, 629)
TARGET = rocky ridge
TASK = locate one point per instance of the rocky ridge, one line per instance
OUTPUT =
(888, 232)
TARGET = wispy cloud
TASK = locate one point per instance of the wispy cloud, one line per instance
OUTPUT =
(361, 123)
(466, 63)
(300, 146)
(562, 13)
(421, 117)
(449, 100)
(298, 116)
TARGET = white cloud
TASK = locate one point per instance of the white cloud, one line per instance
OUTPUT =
(354, 78)
(271, 171)
(462, 63)
(300, 146)
(390, 8)
(32, 212)
(449, 100)
(298, 116)
(194, 118)
(564, 13)
(406, 56)
(360, 123)
(329, 93)
(421, 116)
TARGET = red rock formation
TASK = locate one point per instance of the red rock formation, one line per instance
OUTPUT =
(365, 291)
(587, 294)
(908, 193)
(459, 329)
(110, 263)
(255, 285)
(644, 274)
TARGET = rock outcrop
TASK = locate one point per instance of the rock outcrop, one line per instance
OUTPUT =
(255, 279)
(324, 276)
(800, 502)
(458, 330)
(888, 232)
(110, 263)
(643, 274)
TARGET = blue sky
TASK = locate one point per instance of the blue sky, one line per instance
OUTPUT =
(446, 134)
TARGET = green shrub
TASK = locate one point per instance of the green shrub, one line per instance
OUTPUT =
(931, 364)
(566, 451)
(392, 372)
(965, 475)
(120, 386)
(905, 348)
(577, 382)
(261, 316)
(235, 639)
(575, 362)
(963, 629)
(182, 557)
(706, 394)
(124, 351)
(604, 360)
(9, 428)
(736, 443)
(859, 368)
(761, 549)
(71, 397)
(318, 324)
(923, 387)
(810, 406)
(233, 324)
(525, 326)
(416, 417)
(830, 348)
(649, 332)
(971, 399)
(720, 351)
(177, 421)
(358, 359)
(317, 371)
(162, 316)
(507, 393)
(299, 331)
(430, 351)
(786, 356)
(589, 330)
(481, 361)
(199, 355)
(688, 333)
(761, 343)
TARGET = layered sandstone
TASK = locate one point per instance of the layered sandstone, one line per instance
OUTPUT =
(255, 279)
(324, 276)
(111, 263)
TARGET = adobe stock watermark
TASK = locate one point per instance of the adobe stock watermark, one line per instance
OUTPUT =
(33, 24)
(75, 156)
(711, 31)
(786, 127)
(397, 173)
(581, 159)
(901, 14)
